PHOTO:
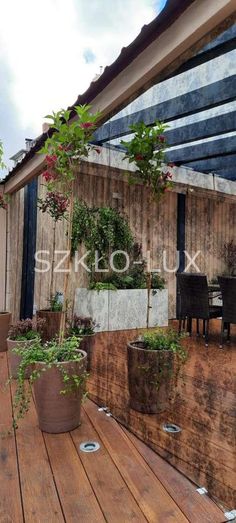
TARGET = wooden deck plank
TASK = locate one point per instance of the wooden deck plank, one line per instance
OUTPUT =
(203, 402)
(155, 502)
(195, 507)
(40, 499)
(76, 494)
(111, 491)
(10, 505)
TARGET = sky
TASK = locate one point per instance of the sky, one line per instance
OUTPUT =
(50, 50)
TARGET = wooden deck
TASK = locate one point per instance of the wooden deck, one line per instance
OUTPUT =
(47, 479)
(203, 404)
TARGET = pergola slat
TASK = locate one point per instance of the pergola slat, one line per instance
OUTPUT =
(203, 150)
(214, 164)
(206, 56)
(206, 97)
(207, 128)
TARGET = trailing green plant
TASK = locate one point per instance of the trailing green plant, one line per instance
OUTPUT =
(172, 354)
(161, 340)
(50, 354)
(102, 286)
(146, 150)
(81, 326)
(102, 230)
(26, 330)
(135, 278)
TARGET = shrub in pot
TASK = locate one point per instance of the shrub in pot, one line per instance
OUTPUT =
(22, 335)
(152, 363)
(52, 318)
(5, 321)
(83, 327)
(57, 377)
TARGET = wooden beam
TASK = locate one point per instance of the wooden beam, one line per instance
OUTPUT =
(26, 174)
(203, 150)
(192, 102)
(214, 164)
(207, 128)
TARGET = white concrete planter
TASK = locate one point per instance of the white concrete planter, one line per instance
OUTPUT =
(122, 309)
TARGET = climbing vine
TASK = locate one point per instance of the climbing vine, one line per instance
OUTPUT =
(102, 230)
(146, 150)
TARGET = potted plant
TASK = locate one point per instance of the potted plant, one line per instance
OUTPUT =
(83, 328)
(57, 376)
(5, 321)
(21, 335)
(52, 317)
(153, 360)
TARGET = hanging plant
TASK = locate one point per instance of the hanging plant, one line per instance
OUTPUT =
(147, 151)
(102, 230)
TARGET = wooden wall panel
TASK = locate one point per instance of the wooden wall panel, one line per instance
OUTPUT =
(203, 404)
(210, 223)
(98, 186)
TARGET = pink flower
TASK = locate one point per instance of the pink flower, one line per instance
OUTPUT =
(139, 157)
(162, 138)
(51, 160)
(86, 125)
(49, 176)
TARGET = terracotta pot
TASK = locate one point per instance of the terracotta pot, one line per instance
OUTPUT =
(87, 345)
(51, 327)
(58, 412)
(149, 378)
(15, 359)
(5, 321)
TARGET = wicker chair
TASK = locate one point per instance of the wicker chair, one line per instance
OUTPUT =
(228, 290)
(194, 302)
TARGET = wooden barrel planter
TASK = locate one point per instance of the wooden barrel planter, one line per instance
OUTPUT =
(15, 359)
(52, 325)
(149, 374)
(58, 412)
(5, 321)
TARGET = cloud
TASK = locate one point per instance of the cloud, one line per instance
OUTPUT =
(53, 48)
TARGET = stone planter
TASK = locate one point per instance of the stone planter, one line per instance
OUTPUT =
(58, 412)
(149, 378)
(52, 325)
(87, 345)
(122, 309)
(5, 321)
(15, 359)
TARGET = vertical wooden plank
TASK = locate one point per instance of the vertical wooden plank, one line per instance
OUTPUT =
(39, 495)
(10, 498)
